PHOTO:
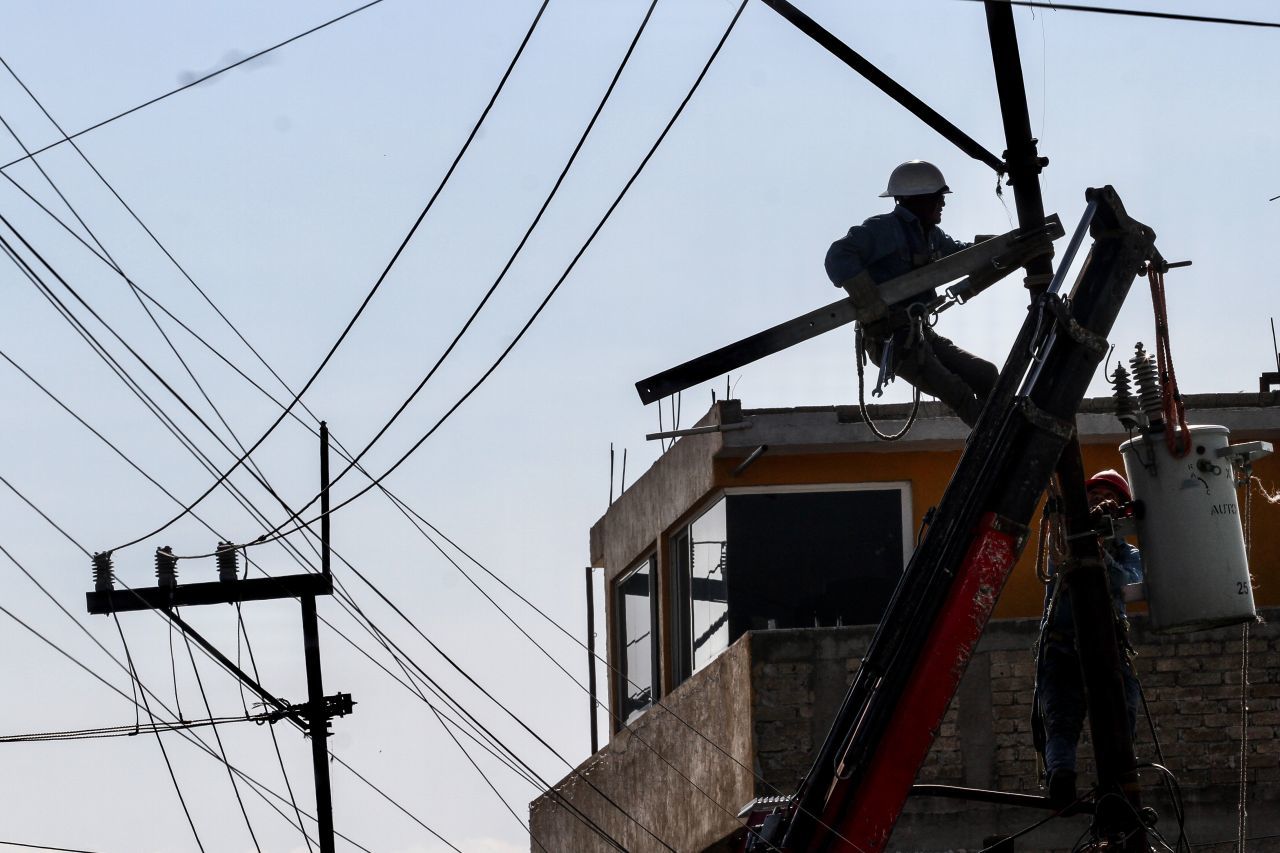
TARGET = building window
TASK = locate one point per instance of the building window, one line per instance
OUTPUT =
(699, 559)
(637, 619)
(798, 557)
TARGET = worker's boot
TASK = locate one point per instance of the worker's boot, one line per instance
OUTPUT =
(1062, 788)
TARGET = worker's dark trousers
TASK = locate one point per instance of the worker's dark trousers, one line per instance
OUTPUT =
(1060, 701)
(939, 368)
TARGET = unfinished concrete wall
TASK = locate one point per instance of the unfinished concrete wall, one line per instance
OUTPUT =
(682, 771)
(1193, 688)
(1192, 684)
(768, 702)
(798, 678)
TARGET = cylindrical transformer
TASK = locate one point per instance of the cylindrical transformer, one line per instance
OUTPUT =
(1193, 555)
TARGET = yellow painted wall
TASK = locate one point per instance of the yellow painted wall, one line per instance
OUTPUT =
(929, 473)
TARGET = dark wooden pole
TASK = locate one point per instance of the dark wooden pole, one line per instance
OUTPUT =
(1022, 161)
(1087, 581)
(319, 725)
(324, 500)
(1101, 664)
(318, 717)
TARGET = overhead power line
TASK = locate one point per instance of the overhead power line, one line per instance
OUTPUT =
(117, 269)
(505, 269)
(351, 609)
(475, 765)
(886, 84)
(146, 704)
(150, 404)
(368, 297)
(130, 730)
(356, 613)
(217, 737)
(595, 232)
(511, 259)
(256, 786)
(44, 847)
(196, 82)
(135, 291)
(1137, 13)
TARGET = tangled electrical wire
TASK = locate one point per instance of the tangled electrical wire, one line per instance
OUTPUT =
(133, 729)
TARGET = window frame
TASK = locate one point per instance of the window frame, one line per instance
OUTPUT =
(619, 633)
(679, 596)
(904, 495)
(678, 593)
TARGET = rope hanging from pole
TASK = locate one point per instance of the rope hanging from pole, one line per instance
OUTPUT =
(1242, 813)
(1052, 544)
(1177, 434)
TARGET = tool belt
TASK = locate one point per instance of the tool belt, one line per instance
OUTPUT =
(878, 319)
(897, 318)
(899, 335)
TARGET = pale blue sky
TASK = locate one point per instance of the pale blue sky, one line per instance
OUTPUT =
(284, 186)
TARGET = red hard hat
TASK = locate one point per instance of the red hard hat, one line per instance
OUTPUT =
(1111, 479)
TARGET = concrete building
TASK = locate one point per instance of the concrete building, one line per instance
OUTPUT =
(721, 690)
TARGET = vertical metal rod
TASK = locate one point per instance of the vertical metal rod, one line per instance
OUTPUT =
(1273, 342)
(591, 663)
(1074, 246)
(324, 499)
(1021, 157)
(319, 721)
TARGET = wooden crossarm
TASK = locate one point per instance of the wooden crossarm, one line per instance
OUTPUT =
(983, 263)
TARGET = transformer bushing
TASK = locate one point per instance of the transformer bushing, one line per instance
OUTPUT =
(1149, 396)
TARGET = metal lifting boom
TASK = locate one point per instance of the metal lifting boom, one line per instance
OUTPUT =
(859, 782)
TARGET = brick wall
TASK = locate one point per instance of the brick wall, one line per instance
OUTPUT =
(1192, 684)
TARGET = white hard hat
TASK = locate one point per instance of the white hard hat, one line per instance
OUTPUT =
(915, 177)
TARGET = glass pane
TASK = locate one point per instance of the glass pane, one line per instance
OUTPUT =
(635, 609)
(814, 558)
(679, 604)
(708, 582)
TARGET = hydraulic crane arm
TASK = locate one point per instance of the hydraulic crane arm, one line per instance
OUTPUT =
(855, 791)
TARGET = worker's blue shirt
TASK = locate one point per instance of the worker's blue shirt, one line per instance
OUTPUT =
(1124, 566)
(888, 245)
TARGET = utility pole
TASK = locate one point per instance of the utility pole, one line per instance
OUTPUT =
(1023, 162)
(1085, 574)
(168, 595)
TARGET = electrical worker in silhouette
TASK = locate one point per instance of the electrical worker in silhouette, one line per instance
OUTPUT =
(889, 245)
(1058, 705)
